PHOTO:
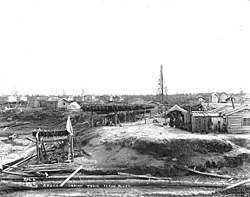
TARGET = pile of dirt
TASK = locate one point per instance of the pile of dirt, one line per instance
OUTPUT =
(26, 114)
(24, 120)
(148, 148)
(12, 149)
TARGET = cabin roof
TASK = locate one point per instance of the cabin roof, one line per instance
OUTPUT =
(205, 114)
(177, 108)
(53, 99)
(229, 110)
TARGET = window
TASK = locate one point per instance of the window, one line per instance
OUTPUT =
(246, 121)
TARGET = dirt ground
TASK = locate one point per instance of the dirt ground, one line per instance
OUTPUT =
(137, 148)
(149, 148)
(154, 149)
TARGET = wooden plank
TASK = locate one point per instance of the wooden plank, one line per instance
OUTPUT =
(237, 184)
(91, 119)
(110, 183)
(204, 173)
(70, 176)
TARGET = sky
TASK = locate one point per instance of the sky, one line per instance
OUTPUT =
(117, 46)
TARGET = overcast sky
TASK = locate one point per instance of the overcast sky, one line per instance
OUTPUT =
(118, 46)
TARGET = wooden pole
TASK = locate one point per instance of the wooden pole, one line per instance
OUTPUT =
(162, 86)
(91, 119)
(204, 173)
(70, 176)
(232, 102)
(16, 173)
(103, 183)
(237, 184)
(37, 150)
(115, 118)
(70, 148)
(144, 176)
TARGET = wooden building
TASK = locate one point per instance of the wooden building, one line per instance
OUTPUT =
(219, 97)
(178, 117)
(246, 99)
(62, 103)
(214, 98)
(9, 101)
(57, 103)
(89, 98)
(223, 97)
(40, 101)
(78, 99)
(52, 103)
(237, 120)
(204, 122)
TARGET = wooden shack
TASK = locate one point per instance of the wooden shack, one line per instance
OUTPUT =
(40, 102)
(214, 98)
(223, 97)
(237, 120)
(204, 121)
(52, 103)
(178, 117)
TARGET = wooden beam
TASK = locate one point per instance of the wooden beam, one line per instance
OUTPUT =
(70, 176)
(204, 173)
(91, 119)
(116, 118)
(237, 184)
(143, 176)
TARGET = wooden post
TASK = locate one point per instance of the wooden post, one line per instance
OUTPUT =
(41, 152)
(37, 150)
(232, 102)
(115, 118)
(43, 148)
(38, 147)
(70, 176)
(70, 148)
(91, 119)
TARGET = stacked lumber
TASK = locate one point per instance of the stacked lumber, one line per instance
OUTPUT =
(13, 124)
(137, 112)
(114, 107)
(80, 179)
(51, 134)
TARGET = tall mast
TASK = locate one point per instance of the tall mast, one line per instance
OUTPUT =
(161, 85)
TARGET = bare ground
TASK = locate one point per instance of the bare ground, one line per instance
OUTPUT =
(140, 148)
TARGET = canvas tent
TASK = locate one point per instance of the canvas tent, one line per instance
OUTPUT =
(73, 106)
(178, 116)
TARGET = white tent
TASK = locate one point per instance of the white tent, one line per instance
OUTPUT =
(74, 105)
(177, 108)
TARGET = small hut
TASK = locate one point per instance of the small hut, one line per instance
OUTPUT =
(237, 119)
(204, 122)
(73, 106)
(178, 117)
